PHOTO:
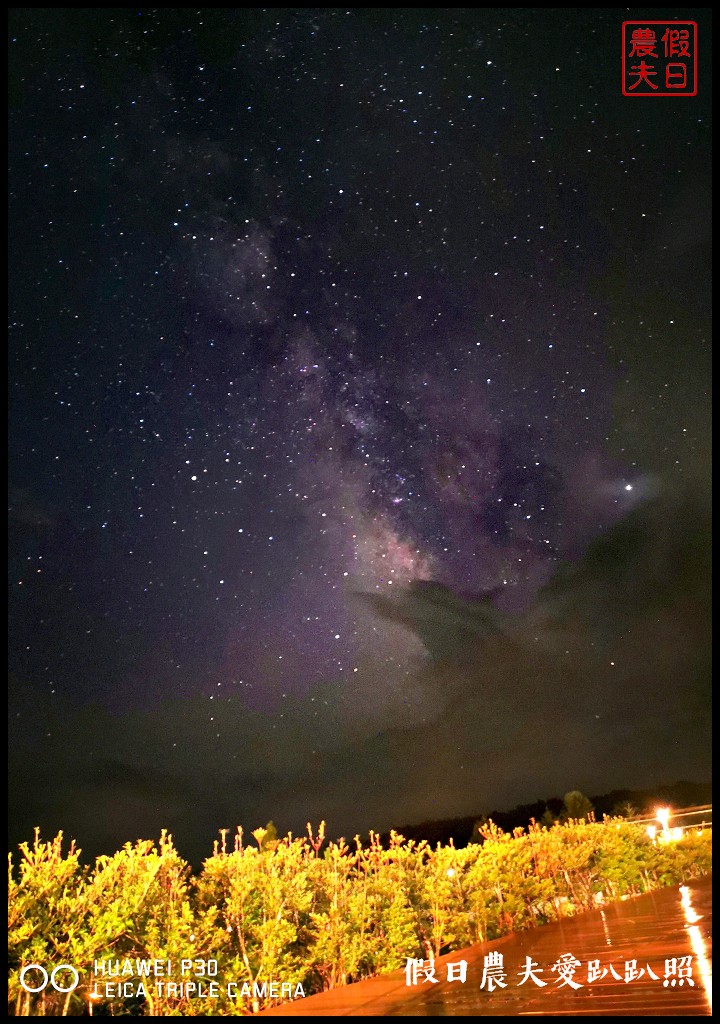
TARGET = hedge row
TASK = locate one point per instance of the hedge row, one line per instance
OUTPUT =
(300, 912)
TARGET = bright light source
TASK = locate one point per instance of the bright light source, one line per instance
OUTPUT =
(663, 816)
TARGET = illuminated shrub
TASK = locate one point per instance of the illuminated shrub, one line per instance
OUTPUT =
(310, 913)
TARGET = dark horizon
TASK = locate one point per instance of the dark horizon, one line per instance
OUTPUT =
(678, 795)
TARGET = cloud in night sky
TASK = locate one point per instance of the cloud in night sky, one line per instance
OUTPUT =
(607, 664)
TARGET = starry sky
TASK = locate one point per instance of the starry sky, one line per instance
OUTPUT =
(359, 418)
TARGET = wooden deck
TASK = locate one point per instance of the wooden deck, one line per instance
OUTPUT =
(650, 929)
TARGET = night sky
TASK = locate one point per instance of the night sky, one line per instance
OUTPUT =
(359, 418)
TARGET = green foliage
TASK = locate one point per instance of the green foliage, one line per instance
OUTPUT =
(303, 911)
(270, 839)
(624, 809)
(44, 926)
(256, 901)
(577, 806)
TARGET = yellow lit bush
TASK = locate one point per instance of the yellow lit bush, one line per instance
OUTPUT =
(303, 911)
